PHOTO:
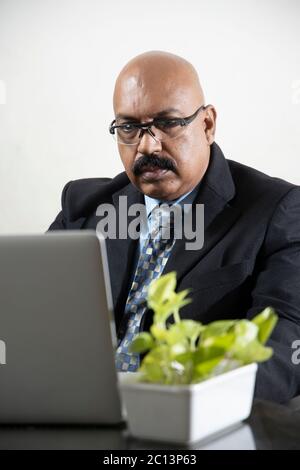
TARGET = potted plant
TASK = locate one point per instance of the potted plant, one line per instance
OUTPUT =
(194, 380)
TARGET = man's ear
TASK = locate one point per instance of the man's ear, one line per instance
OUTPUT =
(210, 123)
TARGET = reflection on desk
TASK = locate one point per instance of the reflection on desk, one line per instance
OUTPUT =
(270, 426)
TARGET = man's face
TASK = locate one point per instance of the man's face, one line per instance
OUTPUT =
(180, 163)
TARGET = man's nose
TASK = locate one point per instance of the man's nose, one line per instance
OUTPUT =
(149, 144)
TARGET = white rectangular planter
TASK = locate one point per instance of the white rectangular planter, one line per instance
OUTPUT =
(187, 413)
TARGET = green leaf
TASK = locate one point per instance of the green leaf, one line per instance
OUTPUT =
(163, 299)
(245, 332)
(188, 328)
(187, 351)
(266, 321)
(183, 331)
(159, 331)
(160, 290)
(156, 366)
(186, 357)
(141, 343)
(205, 369)
(222, 342)
(216, 328)
(174, 303)
(253, 352)
(151, 372)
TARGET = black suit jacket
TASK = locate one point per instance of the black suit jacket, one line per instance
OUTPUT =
(250, 258)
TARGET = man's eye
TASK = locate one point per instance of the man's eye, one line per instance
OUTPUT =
(127, 128)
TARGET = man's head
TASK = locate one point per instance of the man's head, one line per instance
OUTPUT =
(162, 85)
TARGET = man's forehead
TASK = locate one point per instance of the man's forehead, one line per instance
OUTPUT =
(150, 109)
(154, 84)
(154, 102)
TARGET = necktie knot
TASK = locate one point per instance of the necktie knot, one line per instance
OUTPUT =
(162, 218)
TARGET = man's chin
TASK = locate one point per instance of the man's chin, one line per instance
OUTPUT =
(159, 189)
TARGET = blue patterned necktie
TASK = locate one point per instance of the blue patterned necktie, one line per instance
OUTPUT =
(152, 260)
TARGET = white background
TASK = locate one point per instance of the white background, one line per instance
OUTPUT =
(59, 60)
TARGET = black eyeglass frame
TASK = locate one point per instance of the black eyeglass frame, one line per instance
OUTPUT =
(146, 126)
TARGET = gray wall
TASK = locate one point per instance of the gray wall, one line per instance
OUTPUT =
(58, 62)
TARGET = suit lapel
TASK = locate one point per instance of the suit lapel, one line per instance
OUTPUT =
(121, 252)
(215, 191)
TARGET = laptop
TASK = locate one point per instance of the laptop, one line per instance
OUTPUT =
(57, 331)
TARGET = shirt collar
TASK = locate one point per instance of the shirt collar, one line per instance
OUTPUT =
(187, 198)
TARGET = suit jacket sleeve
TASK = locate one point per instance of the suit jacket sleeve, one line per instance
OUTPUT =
(60, 221)
(278, 285)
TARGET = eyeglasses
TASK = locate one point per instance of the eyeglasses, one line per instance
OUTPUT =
(130, 133)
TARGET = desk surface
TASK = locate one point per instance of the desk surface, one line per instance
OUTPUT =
(270, 426)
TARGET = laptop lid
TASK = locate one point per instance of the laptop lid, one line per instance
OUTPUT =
(56, 330)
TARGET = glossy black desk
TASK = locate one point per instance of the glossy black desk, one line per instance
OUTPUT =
(270, 426)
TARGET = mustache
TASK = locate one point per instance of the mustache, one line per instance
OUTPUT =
(152, 160)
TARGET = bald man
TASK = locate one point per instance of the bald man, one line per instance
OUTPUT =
(250, 258)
